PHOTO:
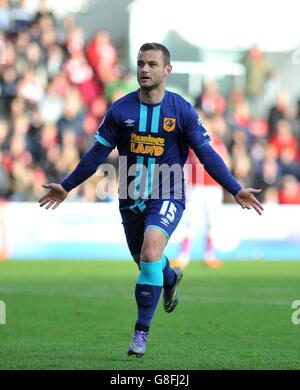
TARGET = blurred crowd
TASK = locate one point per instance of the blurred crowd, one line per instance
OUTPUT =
(55, 88)
(262, 151)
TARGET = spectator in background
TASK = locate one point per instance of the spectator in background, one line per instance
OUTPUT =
(271, 196)
(241, 118)
(19, 107)
(52, 104)
(278, 111)
(54, 61)
(10, 55)
(21, 43)
(210, 101)
(103, 57)
(219, 127)
(8, 87)
(43, 11)
(236, 96)
(284, 138)
(268, 173)
(48, 33)
(289, 162)
(73, 114)
(33, 136)
(258, 71)
(289, 192)
(119, 87)
(242, 165)
(30, 87)
(79, 72)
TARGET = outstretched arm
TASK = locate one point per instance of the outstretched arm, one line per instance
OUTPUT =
(86, 167)
(217, 169)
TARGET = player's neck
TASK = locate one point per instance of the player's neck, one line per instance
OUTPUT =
(153, 96)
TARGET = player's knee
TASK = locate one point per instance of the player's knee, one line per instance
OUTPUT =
(150, 253)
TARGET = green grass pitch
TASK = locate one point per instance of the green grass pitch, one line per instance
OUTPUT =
(81, 315)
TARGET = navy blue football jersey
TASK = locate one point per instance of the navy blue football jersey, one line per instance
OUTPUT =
(150, 137)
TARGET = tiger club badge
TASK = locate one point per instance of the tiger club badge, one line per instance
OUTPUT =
(169, 124)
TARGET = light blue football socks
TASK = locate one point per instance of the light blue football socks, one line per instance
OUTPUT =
(147, 292)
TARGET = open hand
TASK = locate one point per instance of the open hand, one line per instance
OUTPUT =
(54, 197)
(247, 200)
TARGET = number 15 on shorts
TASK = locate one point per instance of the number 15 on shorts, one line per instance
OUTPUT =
(168, 210)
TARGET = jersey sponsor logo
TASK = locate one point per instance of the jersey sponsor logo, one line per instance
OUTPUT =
(129, 122)
(147, 144)
(169, 124)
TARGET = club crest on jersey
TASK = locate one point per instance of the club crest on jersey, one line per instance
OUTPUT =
(169, 124)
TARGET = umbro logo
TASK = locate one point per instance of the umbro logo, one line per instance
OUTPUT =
(164, 221)
(129, 122)
(146, 293)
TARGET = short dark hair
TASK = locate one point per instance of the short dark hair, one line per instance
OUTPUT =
(157, 46)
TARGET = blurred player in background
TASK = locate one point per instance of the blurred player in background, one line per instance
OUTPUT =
(152, 128)
(204, 199)
(205, 196)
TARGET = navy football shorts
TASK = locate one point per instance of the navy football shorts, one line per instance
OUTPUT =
(161, 214)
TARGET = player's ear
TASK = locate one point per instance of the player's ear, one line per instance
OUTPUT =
(168, 69)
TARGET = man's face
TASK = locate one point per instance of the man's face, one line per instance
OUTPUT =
(151, 69)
